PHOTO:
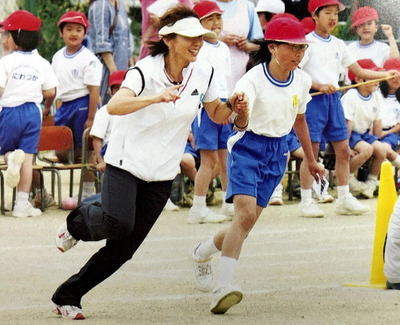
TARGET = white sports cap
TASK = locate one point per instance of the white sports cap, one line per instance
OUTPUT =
(273, 6)
(189, 27)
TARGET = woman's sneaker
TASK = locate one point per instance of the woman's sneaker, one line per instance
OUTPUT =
(224, 298)
(69, 311)
(202, 272)
(64, 240)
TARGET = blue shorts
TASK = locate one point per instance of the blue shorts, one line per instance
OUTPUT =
(209, 135)
(20, 128)
(357, 137)
(292, 141)
(189, 149)
(255, 165)
(325, 118)
(74, 114)
(392, 139)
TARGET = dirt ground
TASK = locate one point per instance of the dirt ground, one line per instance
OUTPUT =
(292, 271)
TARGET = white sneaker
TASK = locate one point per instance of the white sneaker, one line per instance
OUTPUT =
(355, 185)
(350, 205)
(170, 206)
(64, 240)
(371, 187)
(224, 298)
(14, 162)
(309, 209)
(326, 199)
(205, 216)
(276, 197)
(69, 311)
(24, 210)
(228, 210)
(202, 272)
(275, 201)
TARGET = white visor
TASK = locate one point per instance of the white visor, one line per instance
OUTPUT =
(189, 27)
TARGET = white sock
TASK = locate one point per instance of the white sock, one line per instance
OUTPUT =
(223, 196)
(206, 249)
(396, 162)
(21, 197)
(343, 191)
(306, 194)
(372, 178)
(226, 271)
(199, 202)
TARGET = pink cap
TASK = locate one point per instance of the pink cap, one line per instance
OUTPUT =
(363, 15)
(74, 17)
(21, 19)
(116, 78)
(285, 30)
(308, 24)
(315, 4)
(206, 8)
(365, 64)
(392, 64)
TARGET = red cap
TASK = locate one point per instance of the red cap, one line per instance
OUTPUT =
(284, 15)
(315, 4)
(392, 64)
(285, 30)
(206, 8)
(308, 24)
(116, 78)
(74, 17)
(363, 15)
(365, 64)
(21, 19)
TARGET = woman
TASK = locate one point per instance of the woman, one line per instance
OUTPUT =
(158, 101)
(110, 39)
(278, 93)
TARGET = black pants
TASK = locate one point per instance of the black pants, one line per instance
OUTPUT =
(130, 207)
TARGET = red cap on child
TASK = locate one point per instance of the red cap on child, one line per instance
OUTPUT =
(315, 4)
(365, 64)
(21, 19)
(284, 15)
(308, 24)
(74, 17)
(116, 78)
(286, 30)
(363, 15)
(206, 8)
(392, 64)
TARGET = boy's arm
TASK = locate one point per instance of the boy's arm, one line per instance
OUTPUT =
(97, 146)
(49, 95)
(394, 50)
(94, 97)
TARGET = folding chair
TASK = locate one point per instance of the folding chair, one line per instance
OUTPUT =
(54, 138)
(87, 147)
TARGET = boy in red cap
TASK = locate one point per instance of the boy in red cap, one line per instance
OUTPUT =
(257, 153)
(363, 112)
(210, 138)
(79, 73)
(25, 79)
(324, 62)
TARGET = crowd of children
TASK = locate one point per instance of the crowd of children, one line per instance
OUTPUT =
(250, 159)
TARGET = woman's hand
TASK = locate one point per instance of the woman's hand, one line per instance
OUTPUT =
(169, 94)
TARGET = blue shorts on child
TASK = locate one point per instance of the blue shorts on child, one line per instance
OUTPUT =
(356, 137)
(255, 165)
(392, 139)
(20, 128)
(74, 114)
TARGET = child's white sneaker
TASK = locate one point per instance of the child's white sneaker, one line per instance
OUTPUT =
(14, 162)
(24, 210)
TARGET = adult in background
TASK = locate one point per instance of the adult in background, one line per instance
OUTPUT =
(110, 39)
(157, 103)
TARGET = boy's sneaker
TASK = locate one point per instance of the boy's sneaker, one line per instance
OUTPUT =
(170, 206)
(64, 240)
(202, 272)
(205, 215)
(24, 210)
(276, 197)
(69, 311)
(228, 210)
(309, 209)
(14, 162)
(48, 199)
(275, 201)
(350, 205)
(355, 185)
(371, 187)
(224, 298)
(326, 199)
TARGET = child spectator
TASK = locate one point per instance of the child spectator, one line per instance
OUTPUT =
(211, 138)
(363, 111)
(390, 90)
(266, 9)
(323, 62)
(25, 79)
(365, 22)
(79, 74)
